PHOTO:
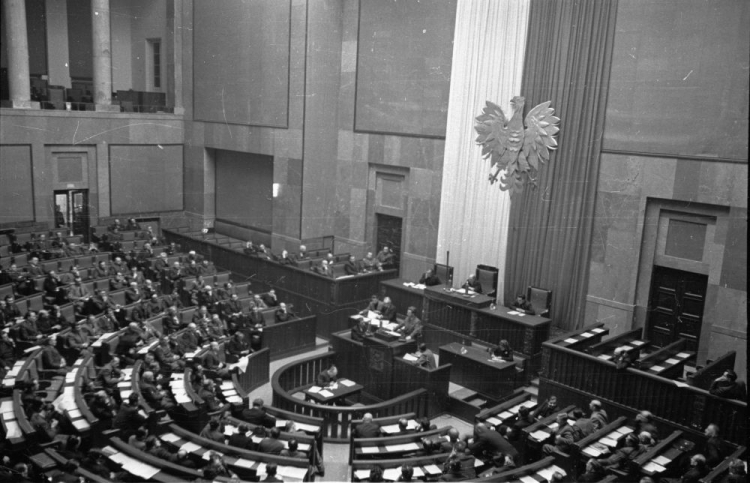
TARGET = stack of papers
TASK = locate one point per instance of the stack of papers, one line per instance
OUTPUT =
(683, 355)
(326, 393)
(6, 406)
(402, 447)
(314, 389)
(598, 330)
(392, 474)
(169, 437)
(657, 368)
(189, 447)
(347, 382)
(586, 335)
(652, 467)
(662, 460)
(410, 357)
(571, 341)
(370, 449)
(672, 361)
(539, 435)
(292, 472)
(432, 470)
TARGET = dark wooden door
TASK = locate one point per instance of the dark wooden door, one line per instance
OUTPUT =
(676, 307)
(389, 234)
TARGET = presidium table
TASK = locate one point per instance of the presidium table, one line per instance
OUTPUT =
(338, 391)
(450, 315)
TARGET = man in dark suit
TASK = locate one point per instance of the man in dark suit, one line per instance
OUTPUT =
(367, 428)
(388, 310)
(583, 426)
(327, 376)
(240, 439)
(472, 283)
(425, 357)
(54, 288)
(564, 436)
(411, 326)
(282, 314)
(271, 444)
(350, 267)
(430, 279)
(359, 331)
(237, 347)
(257, 415)
(270, 298)
(490, 442)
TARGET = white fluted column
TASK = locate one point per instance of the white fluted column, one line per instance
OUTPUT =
(19, 83)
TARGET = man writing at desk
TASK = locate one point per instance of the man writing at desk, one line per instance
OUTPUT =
(327, 377)
(411, 327)
(472, 283)
(430, 279)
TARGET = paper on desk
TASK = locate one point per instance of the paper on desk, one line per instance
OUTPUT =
(528, 479)
(402, 447)
(513, 312)
(31, 349)
(9, 381)
(592, 451)
(418, 472)
(521, 315)
(505, 414)
(432, 469)
(372, 315)
(326, 393)
(637, 342)
(587, 335)
(74, 414)
(662, 460)
(234, 399)
(362, 474)
(547, 473)
(190, 447)
(609, 442)
(81, 424)
(227, 385)
(243, 463)
(118, 457)
(182, 398)
(13, 430)
(539, 435)
(606, 357)
(126, 394)
(683, 355)
(347, 382)
(626, 347)
(494, 421)
(657, 368)
(370, 449)
(307, 427)
(681, 384)
(571, 341)
(292, 472)
(410, 358)
(170, 437)
(672, 361)
(70, 377)
(261, 469)
(624, 430)
(242, 364)
(230, 393)
(392, 474)
(6, 406)
(652, 467)
(143, 470)
(13, 371)
(314, 389)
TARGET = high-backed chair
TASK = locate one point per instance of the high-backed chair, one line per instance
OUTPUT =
(540, 300)
(487, 277)
(444, 273)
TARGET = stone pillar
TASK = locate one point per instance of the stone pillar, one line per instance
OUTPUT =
(18, 53)
(102, 56)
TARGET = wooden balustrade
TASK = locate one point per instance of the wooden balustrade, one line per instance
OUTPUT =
(687, 407)
(337, 426)
(311, 293)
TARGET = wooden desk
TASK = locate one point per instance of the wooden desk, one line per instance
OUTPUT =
(407, 376)
(473, 370)
(370, 361)
(471, 316)
(342, 389)
(402, 296)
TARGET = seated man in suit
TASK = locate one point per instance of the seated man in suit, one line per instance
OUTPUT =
(324, 269)
(598, 415)
(351, 267)
(327, 376)
(293, 451)
(367, 428)
(360, 330)
(472, 283)
(522, 305)
(564, 436)
(240, 439)
(411, 327)
(282, 314)
(270, 298)
(286, 259)
(250, 249)
(371, 264)
(54, 289)
(375, 305)
(385, 257)
(133, 294)
(425, 357)
(388, 310)
(488, 442)
(153, 394)
(257, 415)
(237, 347)
(302, 255)
(729, 387)
(430, 279)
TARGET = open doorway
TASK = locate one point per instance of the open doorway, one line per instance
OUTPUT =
(389, 234)
(72, 212)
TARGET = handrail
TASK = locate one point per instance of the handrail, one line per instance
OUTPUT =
(337, 419)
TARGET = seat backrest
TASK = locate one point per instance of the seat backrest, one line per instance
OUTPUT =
(338, 270)
(269, 316)
(444, 273)
(540, 299)
(304, 264)
(221, 278)
(21, 259)
(49, 266)
(85, 261)
(36, 302)
(66, 264)
(487, 277)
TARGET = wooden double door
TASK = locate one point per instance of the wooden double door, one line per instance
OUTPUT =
(676, 307)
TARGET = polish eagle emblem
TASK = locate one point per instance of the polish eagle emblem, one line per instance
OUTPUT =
(515, 153)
